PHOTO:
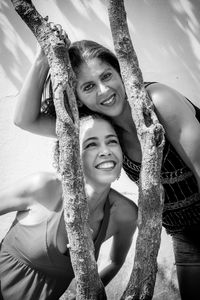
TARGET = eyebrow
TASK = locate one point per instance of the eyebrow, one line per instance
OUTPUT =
(96, 138)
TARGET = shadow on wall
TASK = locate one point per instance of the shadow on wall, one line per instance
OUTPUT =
(16, 51)
(166, 35)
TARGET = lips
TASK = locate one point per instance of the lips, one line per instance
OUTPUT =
(106, 165)
(109, 101)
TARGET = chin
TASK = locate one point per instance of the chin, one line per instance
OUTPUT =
(108, 179)
(116, 112)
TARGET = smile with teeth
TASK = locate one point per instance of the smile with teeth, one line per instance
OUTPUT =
(109, 101)
(107, 165)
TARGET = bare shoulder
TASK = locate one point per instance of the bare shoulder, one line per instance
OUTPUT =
(171, 107)
(124, 209)
(159, 91)
(40, 180)
(44, 179)
(42, 187)
(168, 100)
(47, 188)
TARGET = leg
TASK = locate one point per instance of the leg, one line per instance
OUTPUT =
(189, 282)
(187, 257)
(1, 297)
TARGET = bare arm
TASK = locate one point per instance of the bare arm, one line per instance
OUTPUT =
(126, 222)
(181, 126)
(27, 112)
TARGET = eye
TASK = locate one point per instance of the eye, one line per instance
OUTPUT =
(113, 141)
(88, 87)
(107, 76)
(90, 145)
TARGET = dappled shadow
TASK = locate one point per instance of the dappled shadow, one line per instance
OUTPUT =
(167, 42)
(14, 61)
(166, 35)
(89, 18)
(171, 31)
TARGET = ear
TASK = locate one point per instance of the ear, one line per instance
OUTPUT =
(79, 103)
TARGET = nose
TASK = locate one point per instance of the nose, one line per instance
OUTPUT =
(104, 151)
(102, 88)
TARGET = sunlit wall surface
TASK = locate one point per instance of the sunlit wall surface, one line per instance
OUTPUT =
(165, 33)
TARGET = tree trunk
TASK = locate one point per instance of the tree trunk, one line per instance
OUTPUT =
(151, 137)
(76, 212)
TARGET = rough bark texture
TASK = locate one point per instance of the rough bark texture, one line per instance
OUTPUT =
(151, 137)
(89, 285)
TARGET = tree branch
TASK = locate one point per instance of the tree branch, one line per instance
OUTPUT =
(151, 137)
(76, 212)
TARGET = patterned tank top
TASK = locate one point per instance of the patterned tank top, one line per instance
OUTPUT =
(182, 197)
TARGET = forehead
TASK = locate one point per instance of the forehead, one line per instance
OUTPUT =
(92, 67)
(97, 128)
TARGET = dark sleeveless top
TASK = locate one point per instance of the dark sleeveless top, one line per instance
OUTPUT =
(32, 267)
(182, 197)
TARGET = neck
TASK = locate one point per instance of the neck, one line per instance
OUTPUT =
(96, 196)
(127, 133)
(124, 122)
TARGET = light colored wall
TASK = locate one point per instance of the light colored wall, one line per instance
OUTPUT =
(165, 34)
